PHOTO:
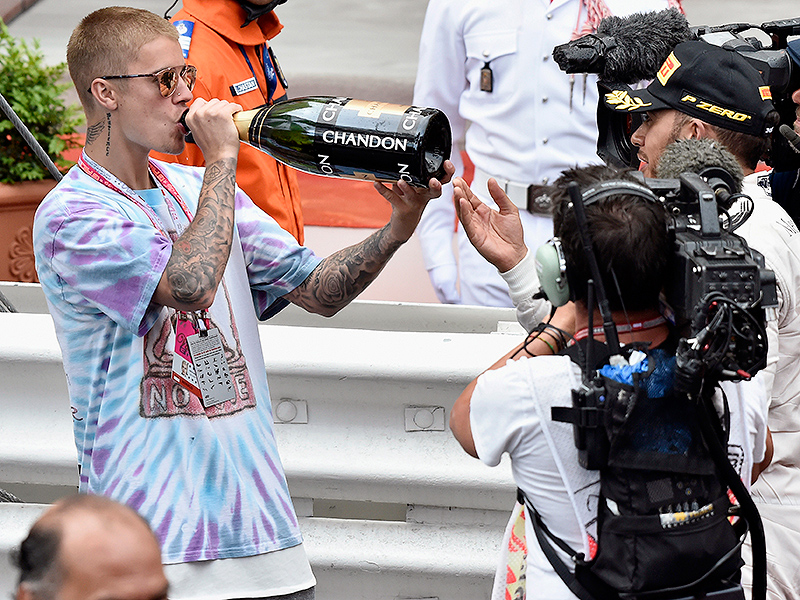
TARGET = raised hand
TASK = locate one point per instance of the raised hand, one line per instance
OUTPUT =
(496, 234)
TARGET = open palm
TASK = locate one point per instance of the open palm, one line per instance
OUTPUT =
(496, 234)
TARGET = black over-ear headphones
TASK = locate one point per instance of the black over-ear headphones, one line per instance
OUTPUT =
(551, 267)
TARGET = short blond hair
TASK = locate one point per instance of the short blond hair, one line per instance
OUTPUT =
(107, 40)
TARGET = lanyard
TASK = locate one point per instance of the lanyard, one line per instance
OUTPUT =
(266, 66)
(622, 328)
(108, 179)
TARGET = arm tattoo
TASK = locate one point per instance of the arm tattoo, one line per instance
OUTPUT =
(93, 132)
(200, 254)
(345, 274)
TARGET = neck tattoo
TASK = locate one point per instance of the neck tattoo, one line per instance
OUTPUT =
(108, 134)
(93, 132)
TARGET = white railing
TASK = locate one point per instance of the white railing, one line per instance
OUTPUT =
(379, 315)
(390, 505)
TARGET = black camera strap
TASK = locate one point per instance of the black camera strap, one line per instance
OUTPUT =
(710, 428)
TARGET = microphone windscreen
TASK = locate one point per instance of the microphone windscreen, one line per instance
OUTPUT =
(643, 43)
(696, 155)
(791, 137)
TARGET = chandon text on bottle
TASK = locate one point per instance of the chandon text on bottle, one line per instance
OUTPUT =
(356, 139)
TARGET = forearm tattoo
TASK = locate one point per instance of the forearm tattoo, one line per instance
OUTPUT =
(200, 254)
(345, 274)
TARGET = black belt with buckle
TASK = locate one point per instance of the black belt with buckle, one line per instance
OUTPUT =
(539, 201)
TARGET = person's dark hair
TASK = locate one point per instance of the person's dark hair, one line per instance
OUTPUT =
(630, 239)
(37, 561)
(749, 149)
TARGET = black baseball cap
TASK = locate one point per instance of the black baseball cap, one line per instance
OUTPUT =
(793, 49)
(704, 81)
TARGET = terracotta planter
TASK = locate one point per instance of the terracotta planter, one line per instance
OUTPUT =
(18, 202)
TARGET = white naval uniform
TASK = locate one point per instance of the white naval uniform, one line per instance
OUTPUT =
(533, 125)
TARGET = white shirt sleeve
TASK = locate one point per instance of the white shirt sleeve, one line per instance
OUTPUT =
(439, 84)
(500, 412)
(747, 401)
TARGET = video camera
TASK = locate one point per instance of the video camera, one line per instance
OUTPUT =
(719, 287)
(779, 68)
(716, 293)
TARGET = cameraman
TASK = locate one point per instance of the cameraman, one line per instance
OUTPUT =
(700, 92)
(507, 408)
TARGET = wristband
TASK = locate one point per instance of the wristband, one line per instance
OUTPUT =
(522, 280)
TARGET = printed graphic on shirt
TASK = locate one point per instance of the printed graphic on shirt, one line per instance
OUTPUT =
(763, 182)
(163, 397)
(736, 456)
(789, 226)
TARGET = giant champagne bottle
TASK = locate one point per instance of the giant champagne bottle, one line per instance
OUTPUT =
(355, 139)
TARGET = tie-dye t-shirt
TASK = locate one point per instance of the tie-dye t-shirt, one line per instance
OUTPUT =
(209, 481)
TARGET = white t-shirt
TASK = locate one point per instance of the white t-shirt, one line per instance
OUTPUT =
(771, 231)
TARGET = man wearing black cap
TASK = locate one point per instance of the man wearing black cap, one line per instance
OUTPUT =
(704, 91)
(701, 90)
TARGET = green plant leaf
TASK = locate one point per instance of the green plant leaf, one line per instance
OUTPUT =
(35, 92)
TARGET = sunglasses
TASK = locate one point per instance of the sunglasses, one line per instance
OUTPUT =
(167, 78)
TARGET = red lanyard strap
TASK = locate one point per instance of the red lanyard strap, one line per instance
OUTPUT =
(109, 180)
(622, 328)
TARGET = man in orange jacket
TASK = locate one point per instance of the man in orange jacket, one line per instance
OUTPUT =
(227, 40)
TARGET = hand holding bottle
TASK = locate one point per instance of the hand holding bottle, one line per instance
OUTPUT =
(408, 201)
(212, 127)
(199, 256)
